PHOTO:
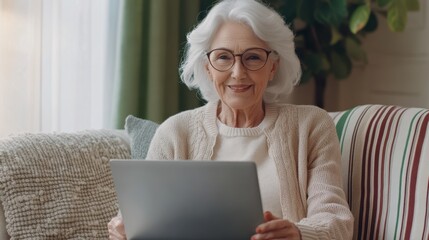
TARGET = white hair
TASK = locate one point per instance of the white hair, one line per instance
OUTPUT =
(266, 23)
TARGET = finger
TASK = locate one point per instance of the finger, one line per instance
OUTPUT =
(116, 224)
(114, 235)
(277, 234)
(273, 225)
(268, 216)
(271, 236)
(116, 228)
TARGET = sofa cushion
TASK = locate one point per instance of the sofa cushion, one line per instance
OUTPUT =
(385, 156)
(59, 186)
(140, 132)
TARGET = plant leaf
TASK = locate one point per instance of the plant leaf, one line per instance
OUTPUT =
(331, 12)
(397, 16)
(359, 18)
(335, 36)
(341, 65)
(287, 8)
(372, 23)
(326, 65)
(355, 51)
(383, 3)
(305, 10)
(413, 5)
(314, 62)
(356, 1)
(306, 76)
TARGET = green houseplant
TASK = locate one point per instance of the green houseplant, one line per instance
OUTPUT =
(329, 33)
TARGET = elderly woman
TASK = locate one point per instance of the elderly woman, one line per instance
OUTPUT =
(241, 58)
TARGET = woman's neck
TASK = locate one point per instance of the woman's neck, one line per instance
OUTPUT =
(241, 118)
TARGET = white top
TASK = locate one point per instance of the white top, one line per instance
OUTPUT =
(250, 144)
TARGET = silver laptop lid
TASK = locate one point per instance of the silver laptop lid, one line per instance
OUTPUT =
(188, 199)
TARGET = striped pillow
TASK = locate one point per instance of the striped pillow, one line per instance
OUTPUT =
(385, 156)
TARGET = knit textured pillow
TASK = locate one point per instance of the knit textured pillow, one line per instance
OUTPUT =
(59, 186)
(385, 156)
(140, 132)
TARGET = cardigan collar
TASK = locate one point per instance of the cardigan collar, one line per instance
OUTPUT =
(210, 116)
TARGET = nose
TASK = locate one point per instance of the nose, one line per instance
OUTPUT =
(238, 70)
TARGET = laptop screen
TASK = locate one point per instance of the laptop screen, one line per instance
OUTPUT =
(188, 199)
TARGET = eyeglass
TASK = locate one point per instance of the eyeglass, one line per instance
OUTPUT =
(252, 59)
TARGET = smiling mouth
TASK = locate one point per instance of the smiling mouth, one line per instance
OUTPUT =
(239, 88)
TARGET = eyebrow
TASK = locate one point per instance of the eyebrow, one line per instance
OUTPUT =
(227, 49)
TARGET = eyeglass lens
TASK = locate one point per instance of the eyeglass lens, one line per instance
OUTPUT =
(252, 59)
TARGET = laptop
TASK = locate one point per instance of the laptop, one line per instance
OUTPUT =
(188, 199)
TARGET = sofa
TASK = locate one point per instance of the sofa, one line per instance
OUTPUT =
(59, 185)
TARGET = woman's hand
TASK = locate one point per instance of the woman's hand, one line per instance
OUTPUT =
(116, 228)
(276, 228)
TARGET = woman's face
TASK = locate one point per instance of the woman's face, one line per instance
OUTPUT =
(238, 87)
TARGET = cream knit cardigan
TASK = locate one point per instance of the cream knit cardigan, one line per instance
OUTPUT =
(304, 145)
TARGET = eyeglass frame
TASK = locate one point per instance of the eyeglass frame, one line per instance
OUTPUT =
(268, 52)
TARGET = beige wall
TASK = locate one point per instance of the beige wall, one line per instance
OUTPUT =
(304, 95)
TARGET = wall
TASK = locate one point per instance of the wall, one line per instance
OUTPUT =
(304, 94)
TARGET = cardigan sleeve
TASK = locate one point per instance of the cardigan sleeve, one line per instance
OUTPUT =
(159, 149)
(169, 141)
(328, 213)
(188, 135)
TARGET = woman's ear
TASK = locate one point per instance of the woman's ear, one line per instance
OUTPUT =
(274, 69)
(208, 71)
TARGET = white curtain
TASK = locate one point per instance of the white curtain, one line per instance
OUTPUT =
(56, 64)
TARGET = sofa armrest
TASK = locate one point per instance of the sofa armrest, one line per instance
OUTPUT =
(3, 233)
(122, 134)
(385, 159)
(118, 132)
